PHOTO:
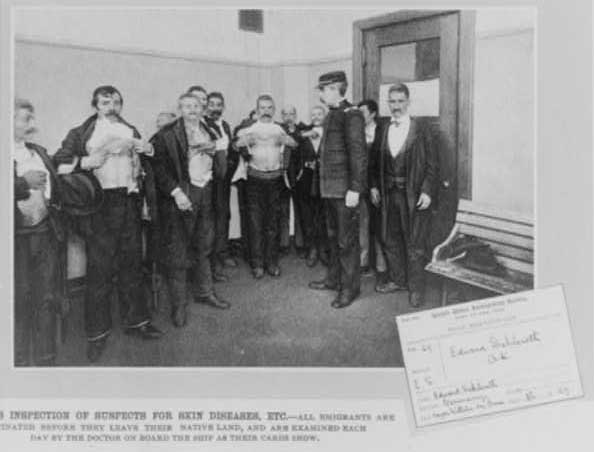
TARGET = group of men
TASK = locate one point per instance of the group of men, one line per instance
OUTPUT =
(360, 186)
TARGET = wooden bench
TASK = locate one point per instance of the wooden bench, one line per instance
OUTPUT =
(510, 237)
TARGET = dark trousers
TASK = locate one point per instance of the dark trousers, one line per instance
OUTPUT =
(190, 247)
(284, 231)
(312, 220)
(404, 243)
(36, 271)
(222, 195)
(263, 199)
(114, 252)
(343, 238)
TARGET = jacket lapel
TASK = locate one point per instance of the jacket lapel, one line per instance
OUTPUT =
(48, 164)
(88, 129)
(175, 142)
(412, 135)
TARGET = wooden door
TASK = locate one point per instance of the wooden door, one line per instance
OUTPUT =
(430, 51)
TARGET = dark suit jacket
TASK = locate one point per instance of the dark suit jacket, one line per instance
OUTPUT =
(422, 168)
(232, 154)
(170, 168)
(21, 192)
(343, 154)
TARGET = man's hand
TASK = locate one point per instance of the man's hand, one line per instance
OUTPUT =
(375, 196)
(424, 201)
(289, 141)
(93, 161)
(314, 135)
(143, 147)
(36, 180)
(352, 198)
(182, 201)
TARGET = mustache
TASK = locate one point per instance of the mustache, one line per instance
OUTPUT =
(31, 130)
(266, 115)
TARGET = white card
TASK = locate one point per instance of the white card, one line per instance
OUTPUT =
(488, 356)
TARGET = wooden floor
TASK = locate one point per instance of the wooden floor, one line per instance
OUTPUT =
(272, 322)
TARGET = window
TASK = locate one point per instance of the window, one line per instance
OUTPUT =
(251, 20)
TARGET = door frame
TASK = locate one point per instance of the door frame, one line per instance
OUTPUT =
(465, 82)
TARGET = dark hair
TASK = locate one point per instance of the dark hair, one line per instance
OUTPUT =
(216, 95)
(23, 104)
(370, 104)
(106, 91)
(399, 88)
(196, 88)
(264, 97)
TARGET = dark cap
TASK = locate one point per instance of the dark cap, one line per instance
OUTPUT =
(331, 77)
(80, 193)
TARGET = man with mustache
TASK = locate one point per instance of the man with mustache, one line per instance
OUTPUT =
(109, 148)
(343, 178)
(185, 162)
(222, 187)
(404, 182)
(268, 154)
(36, 255)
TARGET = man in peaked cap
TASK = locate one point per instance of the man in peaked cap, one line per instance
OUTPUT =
(343, 178)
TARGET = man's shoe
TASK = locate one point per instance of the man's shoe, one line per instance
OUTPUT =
(366, 271)
(274, 270)
(344, 299)
(95, 349)
(230, 262)
(179, 316)
(322, 285)
(388, 287)
(258, 272)
(146, 332)
(415, 299)
(312, 258)
(214, 301)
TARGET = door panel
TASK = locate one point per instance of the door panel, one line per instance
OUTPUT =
(422, 50)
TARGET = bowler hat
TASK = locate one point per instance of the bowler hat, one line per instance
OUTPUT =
(331, 77)
(80, 193)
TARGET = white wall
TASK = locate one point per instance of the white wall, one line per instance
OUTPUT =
(60, 80)
(199, 33)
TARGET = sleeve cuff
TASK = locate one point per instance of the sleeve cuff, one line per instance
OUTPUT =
(175, 191)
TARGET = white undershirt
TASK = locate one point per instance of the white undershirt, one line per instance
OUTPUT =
(397, 134)
(370, 132)
(119, 169)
